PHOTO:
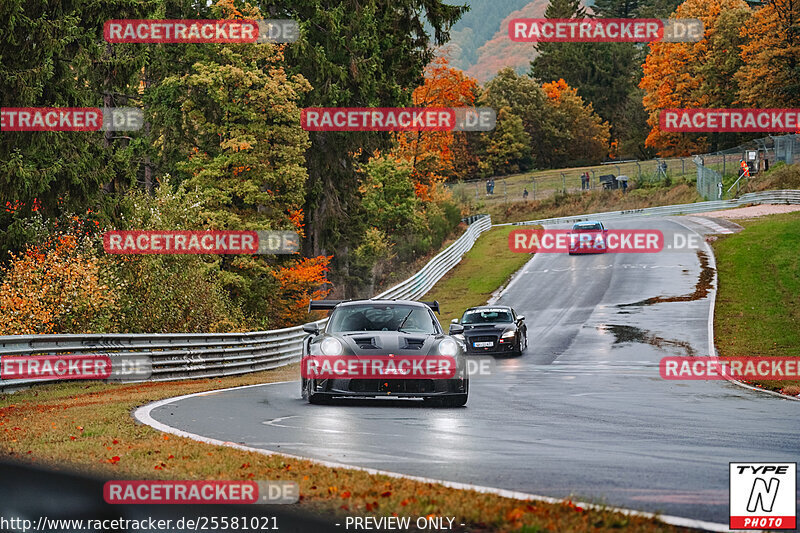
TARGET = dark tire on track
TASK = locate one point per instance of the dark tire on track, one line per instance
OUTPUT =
(457, 400)
(308, 394)
(522, 347)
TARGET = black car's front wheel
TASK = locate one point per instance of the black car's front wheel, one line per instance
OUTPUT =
(311, 396)
(455, 400)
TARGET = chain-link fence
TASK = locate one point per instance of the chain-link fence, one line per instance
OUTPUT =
(720, 174)
(787, 148)
(538, 185)
(709, 170)
(709, 180)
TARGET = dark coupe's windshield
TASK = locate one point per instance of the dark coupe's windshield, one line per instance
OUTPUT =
(587, 227)
(382, 317)
(486, 316)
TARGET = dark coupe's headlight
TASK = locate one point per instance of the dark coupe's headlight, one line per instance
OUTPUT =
(508, 334)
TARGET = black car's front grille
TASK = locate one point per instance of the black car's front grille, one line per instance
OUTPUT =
(483, 338)
(392, 385)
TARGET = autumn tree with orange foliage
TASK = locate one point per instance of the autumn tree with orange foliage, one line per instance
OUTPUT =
(770, 76)
(436, 156)
(56, 287)
(588, 133)
(305, 280)
(694, 75)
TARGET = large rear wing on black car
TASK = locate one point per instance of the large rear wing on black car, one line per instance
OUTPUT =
(327, 305)
(319, 305)
(433, 305)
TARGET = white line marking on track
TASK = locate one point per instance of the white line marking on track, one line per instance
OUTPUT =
(712, 350)
(710, 224)
(275, 423)
(142, 414)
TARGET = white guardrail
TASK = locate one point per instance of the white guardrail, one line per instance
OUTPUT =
(201, 355)
(765, 197)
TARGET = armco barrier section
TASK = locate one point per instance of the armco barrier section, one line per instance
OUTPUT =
(203, 355)
(765, 197)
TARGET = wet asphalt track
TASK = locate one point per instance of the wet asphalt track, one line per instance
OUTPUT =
(583, 413)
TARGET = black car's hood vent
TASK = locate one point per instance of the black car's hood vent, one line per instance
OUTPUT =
(412, 343)
(389, 342)
(366, 343)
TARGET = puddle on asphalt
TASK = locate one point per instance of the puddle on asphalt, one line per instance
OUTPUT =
(701, 289)
(630, 334)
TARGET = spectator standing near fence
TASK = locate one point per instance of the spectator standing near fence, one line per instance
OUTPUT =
(623, 181)
(525, 194)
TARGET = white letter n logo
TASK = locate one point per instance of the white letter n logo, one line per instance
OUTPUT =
(763, 494)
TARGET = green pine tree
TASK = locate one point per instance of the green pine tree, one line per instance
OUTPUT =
(355, 53)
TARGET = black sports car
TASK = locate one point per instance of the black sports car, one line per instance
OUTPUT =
(491, 330)
(382, 334)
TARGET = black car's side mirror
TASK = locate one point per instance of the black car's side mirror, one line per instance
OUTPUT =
(311, 327)
(455, 328)
(521, 318)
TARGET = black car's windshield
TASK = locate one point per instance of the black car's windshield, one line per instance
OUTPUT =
(382, 317)
(486, 316)
(587, 227)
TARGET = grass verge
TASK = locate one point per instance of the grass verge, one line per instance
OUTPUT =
(593, 202)
(474, 280)
(87, 427)
(758, 309)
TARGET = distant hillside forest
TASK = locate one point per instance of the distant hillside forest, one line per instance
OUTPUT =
(626, 84)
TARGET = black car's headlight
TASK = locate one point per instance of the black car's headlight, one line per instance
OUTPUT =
(331, 346)
(448, 347)
(508, 334)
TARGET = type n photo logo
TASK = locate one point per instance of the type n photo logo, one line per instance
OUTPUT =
(763, 495)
